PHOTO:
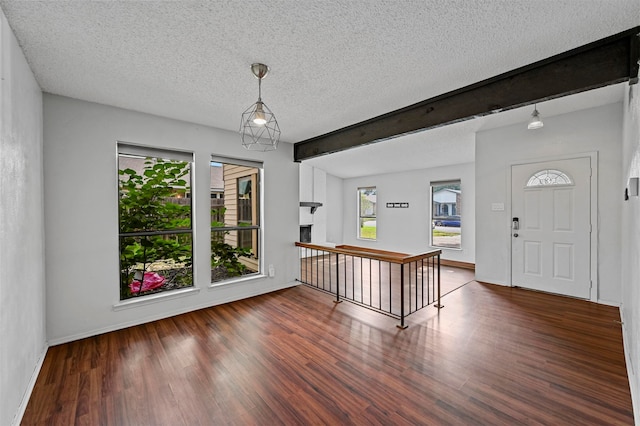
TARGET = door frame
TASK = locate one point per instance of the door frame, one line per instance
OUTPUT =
(593, 156)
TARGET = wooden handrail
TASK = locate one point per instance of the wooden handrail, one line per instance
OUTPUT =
(383, 255)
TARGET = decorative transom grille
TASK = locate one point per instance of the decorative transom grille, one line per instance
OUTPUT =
(549, 177)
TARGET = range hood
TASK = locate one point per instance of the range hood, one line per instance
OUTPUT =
(314, 205)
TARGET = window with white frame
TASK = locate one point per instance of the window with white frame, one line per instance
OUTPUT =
(367, 205)
(155, 223)
(235, 218)
(446, 217)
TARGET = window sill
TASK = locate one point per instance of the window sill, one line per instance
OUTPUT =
(236, 281)
(155, 298)
(446, 248)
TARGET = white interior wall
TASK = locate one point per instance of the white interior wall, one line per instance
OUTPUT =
(319, 228)
(81, 223)
(306, 193)
(592, 130)
(22, 283)
(408, 230)
(630, 306)
(334, 209)
(313, 187)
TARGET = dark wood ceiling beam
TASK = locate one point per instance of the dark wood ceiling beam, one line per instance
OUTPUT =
(607, 61)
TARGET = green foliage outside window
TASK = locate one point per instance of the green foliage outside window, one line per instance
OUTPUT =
(148, 203)
(224, 257)
(367, 226)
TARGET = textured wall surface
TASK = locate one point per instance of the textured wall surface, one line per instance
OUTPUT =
(334, 209)
(81, 201)
(22, 287)
(592, 130)
(631, 245)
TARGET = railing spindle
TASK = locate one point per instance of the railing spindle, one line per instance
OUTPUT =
(370, 286)
(440, 305)
(402, 297)
(390, 290)
(338, 277)
(353, 278)
(360, 262)
(380, 284)
(422, 281)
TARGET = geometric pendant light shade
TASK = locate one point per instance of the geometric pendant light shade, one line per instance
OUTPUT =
(535, 122)
(259, 128)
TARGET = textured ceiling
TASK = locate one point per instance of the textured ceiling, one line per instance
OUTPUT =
(333, 62)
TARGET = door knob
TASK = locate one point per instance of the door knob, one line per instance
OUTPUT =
(515, 235)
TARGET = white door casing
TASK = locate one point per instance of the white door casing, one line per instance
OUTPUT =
(551, 250)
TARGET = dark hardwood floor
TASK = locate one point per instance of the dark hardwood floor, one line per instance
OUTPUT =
(452, 278)
(493, 355)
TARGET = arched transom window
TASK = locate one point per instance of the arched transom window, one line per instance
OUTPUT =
(549, 177)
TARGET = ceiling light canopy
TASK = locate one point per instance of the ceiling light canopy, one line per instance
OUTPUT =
(259, 128)
(536, 121)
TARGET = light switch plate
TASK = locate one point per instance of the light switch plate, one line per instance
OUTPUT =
(633, 187)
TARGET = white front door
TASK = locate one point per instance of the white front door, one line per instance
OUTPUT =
(551, 227)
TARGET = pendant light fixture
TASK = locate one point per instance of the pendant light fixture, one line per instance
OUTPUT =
(259, 129)
(536, 121)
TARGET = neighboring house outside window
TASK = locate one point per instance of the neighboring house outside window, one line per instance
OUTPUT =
(155, 224)
(245, 210)
(235, 227)
(367, 205)
(446, 220)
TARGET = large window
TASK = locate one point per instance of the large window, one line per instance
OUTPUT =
(235, 218)
(367, 226)
(154, 220)
(446, 218)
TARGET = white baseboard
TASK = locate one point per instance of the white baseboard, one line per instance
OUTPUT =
(32, 383)
(632, 375)
(608, 303)
(253, 291)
